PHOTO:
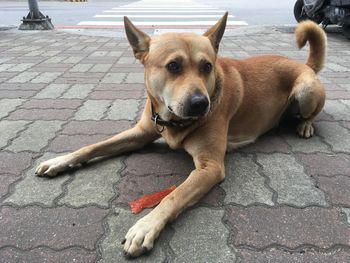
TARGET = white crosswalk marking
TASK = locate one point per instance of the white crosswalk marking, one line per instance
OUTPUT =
(176, 15)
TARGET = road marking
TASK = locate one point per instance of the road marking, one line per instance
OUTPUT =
(161, 23)
(169, 14)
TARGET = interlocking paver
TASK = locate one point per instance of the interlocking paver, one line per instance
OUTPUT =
(36, 136)
(94, 185)
(78, 91)
(123, 110)
(52, 91)
(336, 187)
(9, 130)
(8, 105)
(243, 184)
(96, 127)
(57, 228)
(92, 110)
(334, 134)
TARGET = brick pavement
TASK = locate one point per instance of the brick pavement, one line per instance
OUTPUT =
(284, 199)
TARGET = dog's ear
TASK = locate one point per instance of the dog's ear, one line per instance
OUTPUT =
(216, 32)
(138, 40)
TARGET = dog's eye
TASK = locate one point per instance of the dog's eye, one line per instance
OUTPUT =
(206, 68)
(173, 67)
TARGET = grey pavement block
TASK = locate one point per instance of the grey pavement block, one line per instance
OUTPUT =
(78, 91)
(119, 223)
(346, 86)
(8, 105)
(346, 102)
(39, 190)
(46, 77)
(21, 67)
(55, 59)
(288, 179)
(6, 67)
(81, 68)
(114, 78)
(52, 91)
(100, 68)
(93, 184)
(72, 60)
(338, 110)
(310, 145)
(336, 67)
(36, 136)
(200, 236)
(126, 60)
(346, 211)
(99, 54)
(135, 77)
(334, 134)
(92, 110)
(243, 184)
(9, 130)
(24, 77)
(123, 110)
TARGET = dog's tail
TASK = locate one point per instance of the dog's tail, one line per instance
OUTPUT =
(311, 32)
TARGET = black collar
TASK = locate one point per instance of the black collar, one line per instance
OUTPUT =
(172, 123)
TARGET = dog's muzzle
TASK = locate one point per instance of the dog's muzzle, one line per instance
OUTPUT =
(197, 106)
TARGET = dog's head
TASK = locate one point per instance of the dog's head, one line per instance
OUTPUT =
(180, 69)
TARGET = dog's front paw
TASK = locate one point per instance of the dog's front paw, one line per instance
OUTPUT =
(305, 129)
(53, 166)
(140, 238)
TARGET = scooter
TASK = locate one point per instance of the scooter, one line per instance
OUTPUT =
(327, 12)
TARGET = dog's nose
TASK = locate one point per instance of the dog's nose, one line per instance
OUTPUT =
(198, 105)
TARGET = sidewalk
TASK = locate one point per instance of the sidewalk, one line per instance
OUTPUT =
(285, 199)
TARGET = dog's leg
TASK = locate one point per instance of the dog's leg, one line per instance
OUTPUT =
(310, 96)
(134, 138)
(208, 153)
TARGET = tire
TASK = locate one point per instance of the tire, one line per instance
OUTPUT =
(346, 31)
(298, 11)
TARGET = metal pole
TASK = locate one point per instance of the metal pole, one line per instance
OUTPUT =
(35, 20)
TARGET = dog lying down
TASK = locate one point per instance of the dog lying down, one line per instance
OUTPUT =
(206, 105)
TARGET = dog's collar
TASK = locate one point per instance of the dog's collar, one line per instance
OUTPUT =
(172, 123)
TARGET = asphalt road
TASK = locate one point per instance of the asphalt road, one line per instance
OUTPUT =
(254, 12)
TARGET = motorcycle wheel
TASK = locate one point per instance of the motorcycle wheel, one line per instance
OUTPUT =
(298, 11)
(346, 31)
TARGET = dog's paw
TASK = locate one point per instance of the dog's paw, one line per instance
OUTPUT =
(140, 238)
(53, 166)
(305, 129)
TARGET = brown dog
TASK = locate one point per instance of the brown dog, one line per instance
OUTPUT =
(206, 105)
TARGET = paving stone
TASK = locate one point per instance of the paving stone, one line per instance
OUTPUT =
(267, 144)
(338, 110)
(92, 110)
(81, 68)
(334, 134)
(118, 224)
(8, 105)
(17, 94)
(37, 190)
(64, 143)
(337, 188)
(5, 181)
(76, 255)
(347, 213)
(36, 136)
(52, 91)
(11, 163)
(243, 184)
(96, 127)
(56, 228)
(9, 130)
(260, 227)
(301, 255)
(41, 114)
(100, 68)
(72, 60)
(24, 77)
(21, 67)
(114, 78)
(116, 94)
(93, 184)
(193, 229)
(51, 103)
(123, 110)
(288, 179)
(134, 77)
(78, 91)
(326, 164)
(310, 145)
